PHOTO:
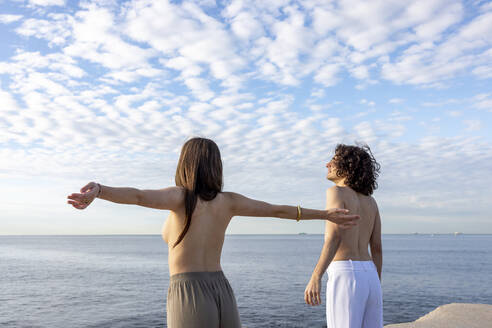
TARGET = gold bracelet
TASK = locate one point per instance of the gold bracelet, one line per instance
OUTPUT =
(298, 213)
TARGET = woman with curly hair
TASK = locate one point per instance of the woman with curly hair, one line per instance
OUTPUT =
(353, 293)
(199, 294)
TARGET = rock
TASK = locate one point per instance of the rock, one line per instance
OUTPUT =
(455, 315)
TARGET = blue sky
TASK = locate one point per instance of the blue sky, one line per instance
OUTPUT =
(109, 91)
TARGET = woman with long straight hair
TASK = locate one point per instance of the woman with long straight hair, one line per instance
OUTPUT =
(199, 294)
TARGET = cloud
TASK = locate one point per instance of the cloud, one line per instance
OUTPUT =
(483, 101)
(246, 27)
(96, 39)
(199, 87)
(187, 34)
(327, 75)
(429, 63)
(367, 102)
(473, 125)
(8, 108)
(45, 3)
(455, 113)
(396, 100)
(56, 29)
(483, 72)
(8, 18)
(291, 40)
(187, 67)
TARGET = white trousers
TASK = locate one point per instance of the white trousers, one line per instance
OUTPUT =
(353, 295)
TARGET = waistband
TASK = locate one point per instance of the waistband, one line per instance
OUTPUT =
(201, 276)
(350, 265)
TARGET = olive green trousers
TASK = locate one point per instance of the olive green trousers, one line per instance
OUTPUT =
(201, 299)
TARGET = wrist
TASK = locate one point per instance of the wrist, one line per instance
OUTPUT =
(316, 276)
(99, 191)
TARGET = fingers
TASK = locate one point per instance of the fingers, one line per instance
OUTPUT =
(73, 202)
(75, 196)
(348, 218)
(79, 201)
(315, 298)
(312, 297)
(346, 221)
(342, 213)
(83, 199)
(347, 224)
(339, 211)
(87, 187)
(77, 205)
(306, 297)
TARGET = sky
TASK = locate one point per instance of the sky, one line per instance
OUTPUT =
(108, 91)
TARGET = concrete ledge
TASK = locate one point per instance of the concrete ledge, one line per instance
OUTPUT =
(455, 315)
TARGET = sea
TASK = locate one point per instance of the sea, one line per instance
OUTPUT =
(122, 280)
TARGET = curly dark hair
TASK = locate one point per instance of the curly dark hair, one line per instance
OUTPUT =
(358, 166)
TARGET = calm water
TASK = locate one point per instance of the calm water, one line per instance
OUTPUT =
(121, 281)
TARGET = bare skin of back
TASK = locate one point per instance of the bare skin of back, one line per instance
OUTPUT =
(201, 248)
(349, 244)
(354, 242)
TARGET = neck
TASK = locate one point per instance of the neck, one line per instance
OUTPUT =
(340, 183)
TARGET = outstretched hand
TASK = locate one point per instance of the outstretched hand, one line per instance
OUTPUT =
(341, 217)
(83, 199)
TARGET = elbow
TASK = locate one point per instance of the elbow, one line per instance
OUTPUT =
(139, 198)
(333, 237)
(332, 241)
(376, 248)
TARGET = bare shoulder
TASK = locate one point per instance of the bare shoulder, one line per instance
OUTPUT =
(231, 198)
(229, 194)
(373, 202)
(174, 195)
(177, 192)
(337, 193)
(234, 199)
(335, 197)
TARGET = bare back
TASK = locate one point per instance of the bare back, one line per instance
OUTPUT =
(201, 248)
(354, 242)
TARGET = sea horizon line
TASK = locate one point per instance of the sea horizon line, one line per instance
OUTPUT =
(240, 234)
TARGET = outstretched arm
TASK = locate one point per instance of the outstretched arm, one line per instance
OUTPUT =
(244, 206)
(165, 199)
(376, 245)
(312, 293)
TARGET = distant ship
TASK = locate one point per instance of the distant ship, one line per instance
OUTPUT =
(458, 233)
(302, 233)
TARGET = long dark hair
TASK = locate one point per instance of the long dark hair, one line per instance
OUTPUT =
(199, 172)
(358, 166)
